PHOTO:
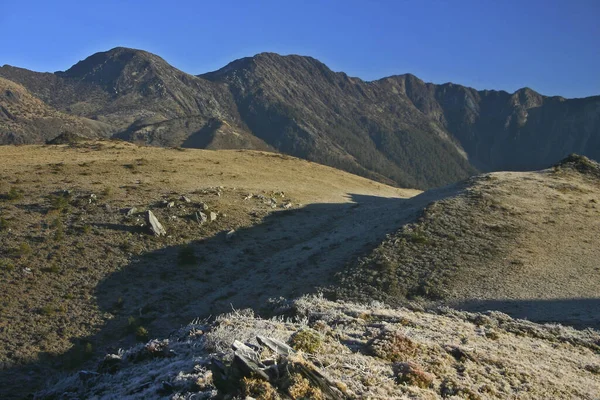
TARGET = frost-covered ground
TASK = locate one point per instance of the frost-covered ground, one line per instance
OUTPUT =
(365, 351)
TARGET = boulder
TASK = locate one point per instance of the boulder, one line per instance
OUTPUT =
(155, 226)
(213, 216)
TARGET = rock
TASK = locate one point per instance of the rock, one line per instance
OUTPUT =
(203, 206)
(170, 204)
(200, 217)
(111, 364)
(213, 216)
(287, 205)
(107, 208)
(186, 199)
(155, 226)
(249, 367)
(275, 345)
(130, 211)
(249, 196)
(230, 235)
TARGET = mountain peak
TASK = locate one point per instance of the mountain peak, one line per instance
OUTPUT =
(105, 68)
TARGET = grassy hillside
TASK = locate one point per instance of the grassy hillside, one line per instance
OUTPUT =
(78, 274)
(522, 242)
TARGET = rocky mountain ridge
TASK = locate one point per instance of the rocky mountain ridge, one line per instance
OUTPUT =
(397, 129)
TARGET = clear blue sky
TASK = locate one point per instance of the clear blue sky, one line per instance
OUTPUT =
(549, 45)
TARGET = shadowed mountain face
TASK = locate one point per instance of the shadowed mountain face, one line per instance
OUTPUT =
(398, 129)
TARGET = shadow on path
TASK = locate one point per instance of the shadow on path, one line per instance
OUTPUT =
(288, 254)
(579, 313)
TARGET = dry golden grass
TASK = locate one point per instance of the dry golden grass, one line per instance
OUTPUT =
(525, 243)
(77, 274)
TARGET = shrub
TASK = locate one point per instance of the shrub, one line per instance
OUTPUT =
(59, 232)
(6, 264)
(412, 374)
(59, 202)
(14, 194)
(141, 334)
(24, 250)
(258, 389)
(392, 346)
(3, 224)
(306, 340)
(301, 389)
(54, 268)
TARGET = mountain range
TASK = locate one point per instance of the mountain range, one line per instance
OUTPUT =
(398, 130)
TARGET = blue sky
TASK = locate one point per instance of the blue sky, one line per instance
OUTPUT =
(551, 46)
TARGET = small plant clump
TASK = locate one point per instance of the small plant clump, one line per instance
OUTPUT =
(141, 334)
(14, 194)
(302, 389)
(6, 265)
(306, 340)
(4, 225)
(24, 250)
(412, 374)
(393, 346)
(59, 202)
(258, 389)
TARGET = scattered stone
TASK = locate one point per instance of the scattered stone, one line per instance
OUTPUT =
(155, 226)
(200, 217)
(111, 364)
(203, 206)
(130, 211)
(186, 199)
(249, 196)
(213, 216)
(287, 205)
(277, 371)
(230, 235)
(170, 204)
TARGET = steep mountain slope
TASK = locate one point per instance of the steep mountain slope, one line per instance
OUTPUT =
(521, 242)
(397, 129)
(26, 119)
(503, 131)
(141, 97)
(301, 107)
